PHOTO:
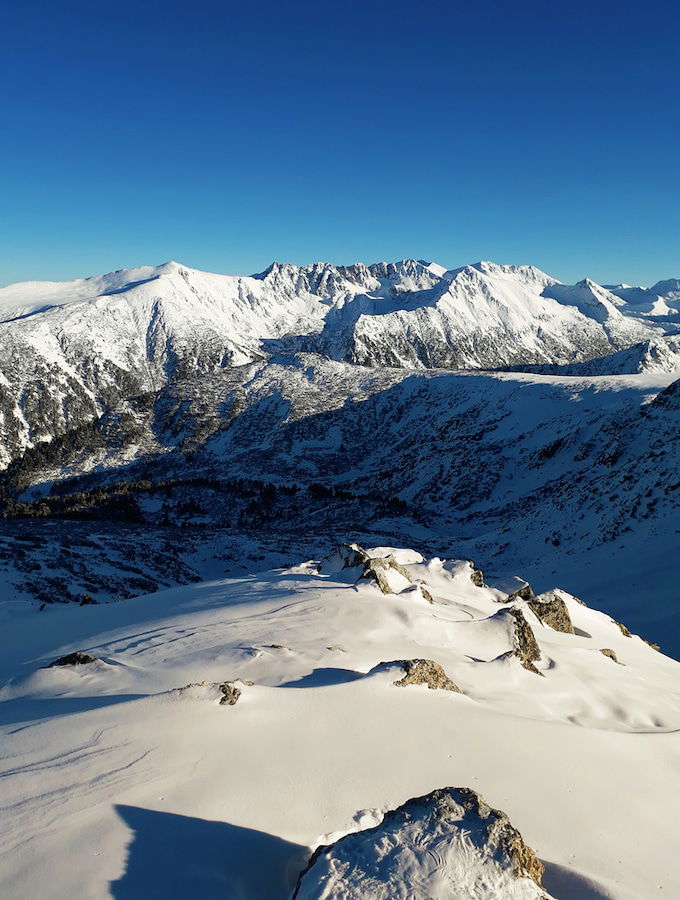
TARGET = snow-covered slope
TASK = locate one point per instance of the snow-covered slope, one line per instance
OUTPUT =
(70, 350)
(573, 477)
(133, 775)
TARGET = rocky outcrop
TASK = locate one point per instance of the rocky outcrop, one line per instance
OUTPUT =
(622, 628)
(423, 671)
(73, 659)
(551, 609)
(605, 651)
(526, 646)
(345, 556)
(524, 593)
(476, 575)
(230, 692)
(376, 569)
(448, 844)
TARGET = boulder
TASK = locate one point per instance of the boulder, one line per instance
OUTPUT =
(423, 671)
(551, 609)
(448, 844)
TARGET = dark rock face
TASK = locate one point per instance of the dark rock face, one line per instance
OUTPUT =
(552, 611)
(73, 659)
(425, 671)
(524, 593)
(436, 821)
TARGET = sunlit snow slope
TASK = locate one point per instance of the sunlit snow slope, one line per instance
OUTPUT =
(120, 781)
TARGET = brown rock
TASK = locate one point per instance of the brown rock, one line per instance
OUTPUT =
(605, 651)
(552, 611)
(424, 671)
(526, 646)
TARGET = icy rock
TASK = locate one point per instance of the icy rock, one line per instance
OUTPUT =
(551, 609)
(73, 659)
(446, 845)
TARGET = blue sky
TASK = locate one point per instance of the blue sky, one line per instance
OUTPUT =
(226, 135)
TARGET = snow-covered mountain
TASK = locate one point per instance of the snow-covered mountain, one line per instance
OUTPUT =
(205, 740)
(371, 723)
(68, 351)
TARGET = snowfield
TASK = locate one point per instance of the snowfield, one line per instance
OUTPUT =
(127, 777)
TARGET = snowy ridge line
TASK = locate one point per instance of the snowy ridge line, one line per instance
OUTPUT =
(71, 350)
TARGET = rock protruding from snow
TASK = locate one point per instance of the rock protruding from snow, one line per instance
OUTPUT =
(526, 646)
(447, 845)
(551, 609)
(476, 575)
(423, 671)
(389, 575)
(230, 692)
(78, 658)
(345, 556)
(606, 651)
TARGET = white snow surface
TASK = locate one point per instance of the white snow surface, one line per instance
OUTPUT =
(119, 781)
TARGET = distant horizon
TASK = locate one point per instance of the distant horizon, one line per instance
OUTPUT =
(663, 276)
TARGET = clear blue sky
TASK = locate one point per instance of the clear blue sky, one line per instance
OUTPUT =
(226, 135)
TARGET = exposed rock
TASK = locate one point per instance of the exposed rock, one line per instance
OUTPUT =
(605, 651)
(373, 568)
(526, 646)
(476, 575)
(448, 844)
(231, 693)
(377, 568)
(622, 628)
(73, 659)
(651, 644)
(552, 611)
(424, 671)
(523, 593)
(345, 556)
(426, 594)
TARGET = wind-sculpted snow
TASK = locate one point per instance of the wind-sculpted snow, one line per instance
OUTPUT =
(71, 350)
(134, 776)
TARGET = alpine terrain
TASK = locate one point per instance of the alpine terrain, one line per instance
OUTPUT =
(339, 582)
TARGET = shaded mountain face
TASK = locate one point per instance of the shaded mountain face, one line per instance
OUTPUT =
(70, 351)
